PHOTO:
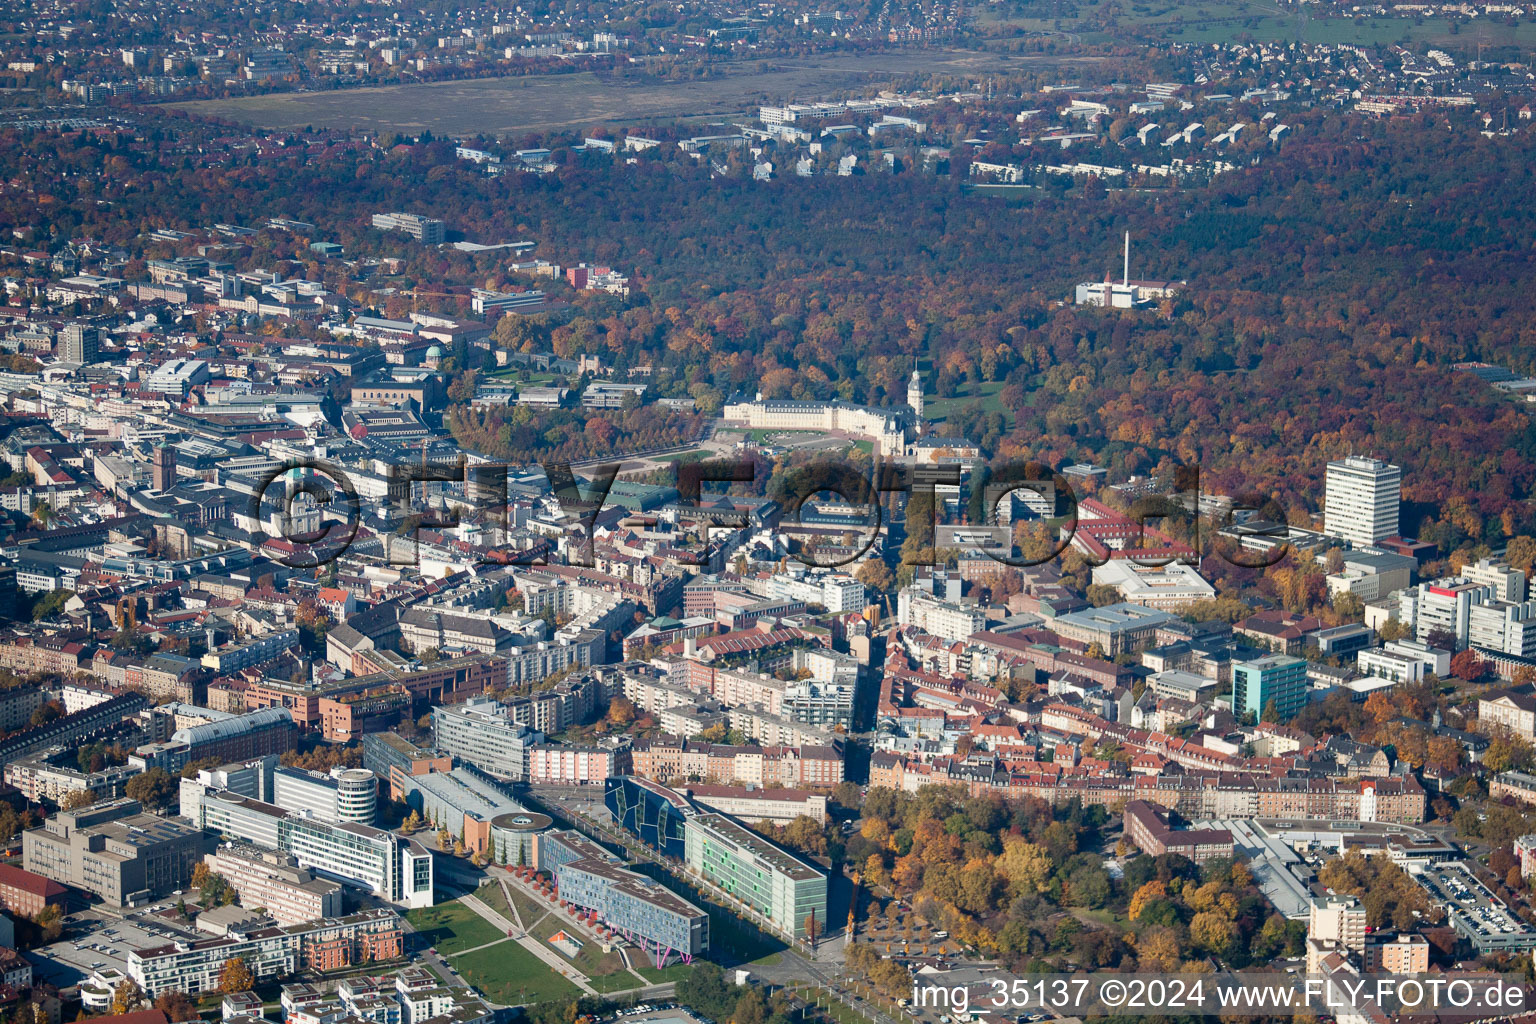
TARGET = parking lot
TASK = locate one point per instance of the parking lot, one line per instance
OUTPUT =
(659, 1013)
(1474, 911)
(93, 941)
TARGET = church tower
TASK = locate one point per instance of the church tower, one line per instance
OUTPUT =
(915, 394)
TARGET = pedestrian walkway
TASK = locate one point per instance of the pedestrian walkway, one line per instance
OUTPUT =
(531, 944)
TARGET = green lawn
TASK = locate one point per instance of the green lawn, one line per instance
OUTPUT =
(527, 906)
(695, 455)
(452, 927)
(508, 974)
(671, 972)
(495, 897)
(984, 393)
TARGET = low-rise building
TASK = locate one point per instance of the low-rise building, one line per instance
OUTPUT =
(1149, 828)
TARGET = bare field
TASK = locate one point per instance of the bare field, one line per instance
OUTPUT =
(499, 106)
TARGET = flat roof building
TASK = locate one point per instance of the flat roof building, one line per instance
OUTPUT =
(116, 851)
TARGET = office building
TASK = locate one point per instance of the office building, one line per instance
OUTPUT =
(789, 893)
(650, 811)
(1443, 606)
(1509, 709)
(462, 801)
(485, 733)
(514, 837)
(1362, 500)
(116, 851)
(344, 794)
(1385, 664)
(1148, 827)
(392, 867)
(238, 738)
(393, 758)
(639, 908)
(1277, 678)
(1508, 584)
(270, 953)
(79, 343)
(275, 882)
(426, 230)
(1371, 576)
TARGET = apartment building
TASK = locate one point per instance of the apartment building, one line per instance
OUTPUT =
(1277, 679)
(116, 851)
(803, 767)
(558, 765)
(1334, 923)
(270, 953)
(947, 620)
(290, 894)
(1400, 954)
(747, 803)
(231, 659)
(55, 773)
(18, 703)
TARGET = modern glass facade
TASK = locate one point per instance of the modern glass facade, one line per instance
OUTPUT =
(653, 813)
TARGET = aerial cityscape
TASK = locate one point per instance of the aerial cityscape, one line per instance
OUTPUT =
(729, 512)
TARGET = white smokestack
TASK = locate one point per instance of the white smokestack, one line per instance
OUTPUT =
(1127, 281)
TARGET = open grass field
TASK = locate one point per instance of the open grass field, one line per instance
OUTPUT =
(509, 974)
(498, 106)
(983, 392)
(452, 927)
